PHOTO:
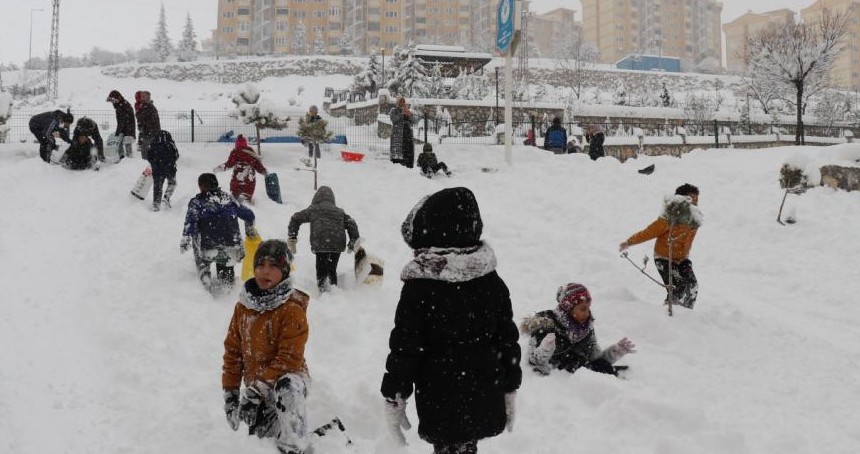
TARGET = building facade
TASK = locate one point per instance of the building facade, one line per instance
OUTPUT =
(551, 31)
(687, 29)
(741, 29)
(846, 69)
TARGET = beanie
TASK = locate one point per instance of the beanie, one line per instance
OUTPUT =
(277, 252)
(427, 147)
(569, 295)
(241, 142)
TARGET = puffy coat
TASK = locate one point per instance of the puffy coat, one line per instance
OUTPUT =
(267, 335)
(163, 154)
(148, 123)
(328, 223)
(681, 234)
(79, 156)
(89, 128)
(124, 115)
(568, 355)
(427, 160)
(402, 147)
(44, 125)
(595, 145)
(555, 138)
(245, 164)
(214, 217)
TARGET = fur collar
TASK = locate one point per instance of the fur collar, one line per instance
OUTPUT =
(451, 264)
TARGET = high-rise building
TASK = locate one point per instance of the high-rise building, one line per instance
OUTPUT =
(741, 29)
(552, 30)
(687, 29)
(846, 69)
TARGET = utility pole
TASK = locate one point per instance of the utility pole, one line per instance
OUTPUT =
(54, 53)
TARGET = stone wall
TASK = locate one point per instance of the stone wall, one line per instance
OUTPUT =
(839, 177)
(623, 152)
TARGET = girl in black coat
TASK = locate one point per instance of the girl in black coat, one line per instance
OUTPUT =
(454, 341)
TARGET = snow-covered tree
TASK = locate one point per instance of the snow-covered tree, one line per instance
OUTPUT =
(300, 39)
(576, 64)
(314, 132)
(620, 96)
(830, 107)
(101, 57)
(187, 49)
(698, 110)
(436, 83)
(319, 42)
(161, 43)
(408, 75)
(346, 47)
(665, 97)
(252, 108)
(797, 54)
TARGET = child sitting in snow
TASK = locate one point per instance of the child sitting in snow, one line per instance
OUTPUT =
(563, 338)
(429, 164)
(245, 163)
(265, 347)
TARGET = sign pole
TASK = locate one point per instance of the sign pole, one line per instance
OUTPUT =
(509, 105)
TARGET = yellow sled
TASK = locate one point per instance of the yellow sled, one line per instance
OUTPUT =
(251, 245)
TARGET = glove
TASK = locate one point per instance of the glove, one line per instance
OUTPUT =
(250, 405)
(291, 245)
(184, 244)
(219, 168)
(350, 246)
(395, 415)
(231, 407)
(251, 231)
(510, 410)
(543, 352)
(626, 346)
(623, 247)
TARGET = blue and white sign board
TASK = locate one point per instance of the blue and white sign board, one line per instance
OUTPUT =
(505, 25)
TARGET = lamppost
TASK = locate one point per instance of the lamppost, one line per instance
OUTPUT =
(382, 50)
(30, 53)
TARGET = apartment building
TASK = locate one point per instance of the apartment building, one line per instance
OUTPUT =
(741, 29)
(551, 31)
(846, 69)
(687, 29)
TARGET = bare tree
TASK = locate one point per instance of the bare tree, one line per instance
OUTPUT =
(576, 64)
(798, 54)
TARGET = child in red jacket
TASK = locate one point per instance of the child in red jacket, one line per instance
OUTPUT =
(245, 163)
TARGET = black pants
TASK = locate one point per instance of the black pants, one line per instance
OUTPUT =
(602, 366)
(327, 269)
(469, 447)
(432, 169)
(158, 184)
(683, 279)
(46, 146)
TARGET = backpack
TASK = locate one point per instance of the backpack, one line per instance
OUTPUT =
(556, 138)
(163, 152)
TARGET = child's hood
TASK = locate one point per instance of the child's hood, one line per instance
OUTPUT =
(323, 195)
(535, 323)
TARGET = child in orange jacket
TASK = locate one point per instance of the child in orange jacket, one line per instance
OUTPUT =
(674, 231)
(265, 347)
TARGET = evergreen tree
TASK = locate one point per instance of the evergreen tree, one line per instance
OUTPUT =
(300, 39)
(346, 47)
(665, 97)
(409, 75)
(436, 83)
(319, 42)
(375, 68)
(188, 45)
(161, 43)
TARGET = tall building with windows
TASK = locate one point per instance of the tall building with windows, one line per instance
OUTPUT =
(846, 69)
(687, 29)
(552, 30)
(741, 29)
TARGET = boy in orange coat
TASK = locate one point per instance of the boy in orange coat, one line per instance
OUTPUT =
(265, 347)
(675, 230)
(245, 163)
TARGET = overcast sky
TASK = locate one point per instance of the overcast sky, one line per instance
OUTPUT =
(118, 25)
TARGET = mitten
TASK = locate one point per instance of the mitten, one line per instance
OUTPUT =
(231, 407)
(618, 350)
(250, 405)
(395, 416)
(540, 356)
(251, 231)
(291, 245)
(627, 346)
(350, 246)
(510, 410)
(184, 244)
(219, 168)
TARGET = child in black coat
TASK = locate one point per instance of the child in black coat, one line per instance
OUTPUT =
(429, 164)
(563, 338)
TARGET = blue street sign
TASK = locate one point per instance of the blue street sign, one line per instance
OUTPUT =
(505, 25)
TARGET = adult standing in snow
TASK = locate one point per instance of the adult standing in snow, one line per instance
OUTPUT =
(45, 124)
(148, 123)
(88, 128)
(328, 224)
(265, 347)
(311, 117)
(212, 228)
(454, 341)
(124, 122)
(402, 150)
(555, 139)
(245, 163)
(563, 338)
(675, 230)
(595, 137)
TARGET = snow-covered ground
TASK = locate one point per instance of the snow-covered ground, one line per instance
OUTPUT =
(110, 345)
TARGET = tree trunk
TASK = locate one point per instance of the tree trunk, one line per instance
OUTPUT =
(798, 136)
(257, 127)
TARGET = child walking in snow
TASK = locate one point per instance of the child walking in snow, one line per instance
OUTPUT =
(245, 163)
(675, 230)
(563, 338)
(265, 347)
(454, 341)
(429, 164)
(328, 223)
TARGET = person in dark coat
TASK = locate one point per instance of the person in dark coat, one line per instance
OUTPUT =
(555, 139)
(454, 341)
(212, 228)
(595, 137)
(148, 123)
(311, 117)
(328, 240)
(88, 128)
(402, 149)
(162, 158)
(45, 124)
(429, 164)
(563, 338)
(125, 122)
(80, 155)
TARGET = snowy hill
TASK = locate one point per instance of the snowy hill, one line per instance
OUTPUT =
(109, 343)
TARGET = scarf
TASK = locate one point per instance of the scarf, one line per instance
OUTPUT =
(259, 300)
(575, 331)
(451, 264)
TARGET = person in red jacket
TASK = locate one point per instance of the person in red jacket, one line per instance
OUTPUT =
(245, 163)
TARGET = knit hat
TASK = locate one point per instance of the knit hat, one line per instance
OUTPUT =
(241, 142)
(569, 295)
(277, 252)
(207, 180)
(448, 218)
(427, 147)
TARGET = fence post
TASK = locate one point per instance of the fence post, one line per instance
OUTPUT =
(534, 134)
(716, 134)
(426, 121)
(192, 125)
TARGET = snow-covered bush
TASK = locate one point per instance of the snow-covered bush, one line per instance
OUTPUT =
(5, 113)
(314, 132)
(252, 108)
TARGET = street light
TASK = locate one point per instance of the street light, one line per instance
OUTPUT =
(30, 53)
(382, 50)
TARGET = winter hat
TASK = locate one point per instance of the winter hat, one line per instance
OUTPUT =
(556, 121)
(207, 181)
(313, 109)
(277, 252)
(241, 142)
(569, 295)
(115, 95)
(448, 218)
(427, 147)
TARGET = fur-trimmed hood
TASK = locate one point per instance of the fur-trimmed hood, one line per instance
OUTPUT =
(451, 264)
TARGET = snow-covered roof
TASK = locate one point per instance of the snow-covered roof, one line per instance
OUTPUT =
(453, 55)
(440, 48)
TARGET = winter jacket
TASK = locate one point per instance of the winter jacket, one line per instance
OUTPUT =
(213, 216)
(125, 122)
(402, 148)
(79, 156)
(245, 164)
(267, 335)
(427, 161)
(148, 123)
(163, 154)
(569, 355)
(328, 223)
(681, 233)
(44, 125)
(595, 145)
(89, 128)
(555, 138)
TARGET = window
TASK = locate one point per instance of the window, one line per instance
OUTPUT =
(282, 11)
(390, 29)
(319, 14)
(242, 41)
(281, 26)
(228, 14)
(227, 30)
(282, 41)
(244, 26)
(391, 14)
(243, 12)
